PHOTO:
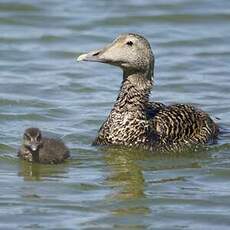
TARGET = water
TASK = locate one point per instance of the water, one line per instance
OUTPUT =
(42, 85)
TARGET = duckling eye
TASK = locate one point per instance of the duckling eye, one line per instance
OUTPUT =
(129, 43)
(39, 137)
(26, 136)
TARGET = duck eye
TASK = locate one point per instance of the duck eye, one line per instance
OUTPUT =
(129, 43)
(26, 136)
(39, 137)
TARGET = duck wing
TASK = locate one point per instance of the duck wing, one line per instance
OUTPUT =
(153, 109)
(179, 124)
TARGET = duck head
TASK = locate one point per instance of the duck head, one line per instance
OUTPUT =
(131, 52)
(32, 139)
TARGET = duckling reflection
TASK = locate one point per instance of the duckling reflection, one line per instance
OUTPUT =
(38, 172)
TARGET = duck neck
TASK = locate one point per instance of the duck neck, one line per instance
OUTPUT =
(134, 91)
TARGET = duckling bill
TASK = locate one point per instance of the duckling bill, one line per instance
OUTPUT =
(36, 148)
(136, 121)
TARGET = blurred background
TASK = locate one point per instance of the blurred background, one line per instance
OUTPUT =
(42, 85)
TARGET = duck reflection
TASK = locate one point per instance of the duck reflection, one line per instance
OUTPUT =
(127, 175)
(37, 172)
(127, 166)
(127, 179)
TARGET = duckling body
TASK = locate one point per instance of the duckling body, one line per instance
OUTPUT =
(36, 148)
(134, 120)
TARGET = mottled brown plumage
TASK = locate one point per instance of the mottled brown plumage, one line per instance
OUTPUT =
(36, 148)
(134, 121)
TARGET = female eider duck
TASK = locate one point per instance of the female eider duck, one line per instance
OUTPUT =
(36, 148)
(134, 120)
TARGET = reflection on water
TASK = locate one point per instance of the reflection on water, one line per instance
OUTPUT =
(127, 169)
(126, 174)
(36, 172)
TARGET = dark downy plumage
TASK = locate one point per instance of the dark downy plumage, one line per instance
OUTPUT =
(36, 148)
(134, 121)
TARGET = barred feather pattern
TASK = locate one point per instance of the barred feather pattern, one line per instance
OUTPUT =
(134, 121)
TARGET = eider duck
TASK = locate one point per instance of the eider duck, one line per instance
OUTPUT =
(36, 148)
(134, 120)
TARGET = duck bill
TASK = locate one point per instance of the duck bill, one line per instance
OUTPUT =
(93, 56)
(34, 147)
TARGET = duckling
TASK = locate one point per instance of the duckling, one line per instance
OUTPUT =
(36, 148)
(134, 120)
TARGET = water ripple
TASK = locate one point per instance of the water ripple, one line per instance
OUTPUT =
(42, 85)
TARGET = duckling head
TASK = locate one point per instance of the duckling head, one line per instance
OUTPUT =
(131, 52)
(32, 139)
